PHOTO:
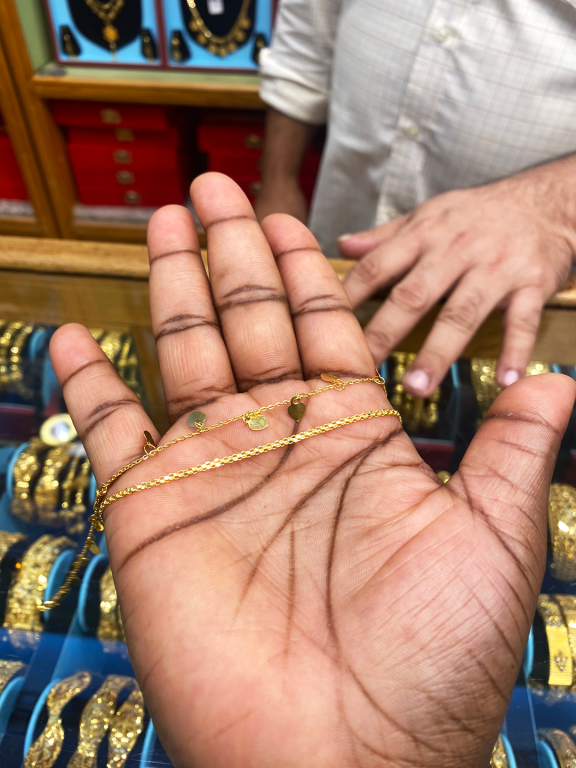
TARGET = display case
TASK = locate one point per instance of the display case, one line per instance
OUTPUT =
(73, 663)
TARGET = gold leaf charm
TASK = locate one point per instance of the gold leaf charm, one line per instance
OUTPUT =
(196, 419)
(94, 548)
(256, 421)
(296, 409)
(333, 380)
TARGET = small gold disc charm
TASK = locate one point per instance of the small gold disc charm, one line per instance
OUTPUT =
(333, 380)
(196, 419)
(110, 33)
(296, 409)
(256, 421)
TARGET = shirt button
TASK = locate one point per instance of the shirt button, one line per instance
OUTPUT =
(392, 214)
(443, 34)
(411, 131)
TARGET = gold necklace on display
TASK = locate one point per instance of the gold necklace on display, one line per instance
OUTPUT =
(228, 43)
(107, 13)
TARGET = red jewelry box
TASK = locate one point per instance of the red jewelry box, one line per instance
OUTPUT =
(111, 115)
(12, 185)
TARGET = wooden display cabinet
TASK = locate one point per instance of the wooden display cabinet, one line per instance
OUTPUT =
(25, 37)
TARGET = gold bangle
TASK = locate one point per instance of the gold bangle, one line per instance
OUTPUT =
(484, 384)
(29, 584)
(47, 491)
(46, 749)
(254, 420)
(127, 724)
(16, 374)
(96, 719)
(80, 486)
(416, 411)
(7, 540)
(5, 344)
(499, 758)
(561, 668)
(562, 745)
(109, 625)
(7, 671)
(26, 469)
(66, 513)
(562, 524)
(567, 605)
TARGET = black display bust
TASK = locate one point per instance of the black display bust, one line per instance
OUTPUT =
(128, 22)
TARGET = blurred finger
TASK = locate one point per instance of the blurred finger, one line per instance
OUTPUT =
(356, 245)
(248, 291)
(458, 321)
(521, 323)
(329, 336)
(382, 266)
(110, 419)
(409, 301)
(194, 361)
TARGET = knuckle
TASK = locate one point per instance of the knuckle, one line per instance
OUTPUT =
(524, 324)
(410, 295)
(368, 270)
(379, 339)
(464, 315)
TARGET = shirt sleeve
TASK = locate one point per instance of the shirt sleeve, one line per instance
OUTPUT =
(296, 71)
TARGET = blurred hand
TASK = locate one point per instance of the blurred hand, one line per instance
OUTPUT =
(508, 245)
(283, 196)
(327, 604)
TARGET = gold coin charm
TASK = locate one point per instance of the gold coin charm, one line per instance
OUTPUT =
(196, 419)
(256, 421)
(110, 33)
(296, 409)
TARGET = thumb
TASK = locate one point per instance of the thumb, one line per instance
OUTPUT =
(506, 473)
(358, 245)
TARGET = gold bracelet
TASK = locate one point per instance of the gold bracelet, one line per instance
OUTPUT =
(96, 719)
(499, 758)
(47, 747)
(109, 625)
(416, 411)
(15, 373)
(29, 584)
(9, 332)
(47, 491)
(561, 668)
(66, 513)
(75, 522)
(255, 420)
(562, 524)
(562, 745)
(567, 604)
(127, 724)
(7, 671)
(26, 469)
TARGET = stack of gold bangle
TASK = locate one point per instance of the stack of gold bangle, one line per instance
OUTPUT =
(100, 717)
(50, 485)
(118, 346)
(499, 758)
(486, 389)
(13, 340)
(7, 671)
(561, 744)
(110, 624)
(561, 669)
(416, 412)
(562, 525)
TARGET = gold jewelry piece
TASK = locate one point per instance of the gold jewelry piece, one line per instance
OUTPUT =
(562, 745)
(7, 540)
(567, 604)
(47, 491)
(484, 382)
(107, 13)
(499, 758)
(127, 724)
(13, 340)
(562, 524)
(96, 718)
(79, 487)
(29, 584)
(561, 669)
(102, 501)
(109, 625)
(444, 476)
(26, 468)
(58, 430)
(416, 411)
(66, 514)
(7, 671)
(47, 747)
(226, 44)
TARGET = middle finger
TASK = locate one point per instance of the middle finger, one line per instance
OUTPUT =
(248, 291)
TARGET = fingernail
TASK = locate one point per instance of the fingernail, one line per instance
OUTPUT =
(344, 237)
(417, 380)
(510, 377)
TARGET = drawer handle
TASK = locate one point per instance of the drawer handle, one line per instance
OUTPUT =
(132, 198)
(110, 116)
(253, 141)
(124, 134)
(124, 177)
(122, 156)
(255, 187)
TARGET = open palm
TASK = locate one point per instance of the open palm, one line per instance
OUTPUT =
(330, 603)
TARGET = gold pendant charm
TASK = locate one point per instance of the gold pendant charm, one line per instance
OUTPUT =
(296, 409)
(333, 380)
(110, 33)
(256, 421)
(196, 419)
(149, 445)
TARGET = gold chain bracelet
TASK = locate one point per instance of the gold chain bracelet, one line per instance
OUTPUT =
(255, 420)
(125, 727)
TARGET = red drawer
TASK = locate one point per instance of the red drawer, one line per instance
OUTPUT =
(14, 191)
(125, 137)
(97, 156)
(94, 114)
(235, 165)
(243, 136)
(122, 196)
(107, 178)
(11, 180)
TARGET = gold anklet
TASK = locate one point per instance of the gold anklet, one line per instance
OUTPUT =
(255, 420)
